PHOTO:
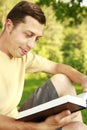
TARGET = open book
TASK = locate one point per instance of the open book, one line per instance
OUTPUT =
(41, 112)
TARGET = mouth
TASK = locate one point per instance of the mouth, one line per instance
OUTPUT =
(23, 51)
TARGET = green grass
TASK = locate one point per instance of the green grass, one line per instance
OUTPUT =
(34, 81)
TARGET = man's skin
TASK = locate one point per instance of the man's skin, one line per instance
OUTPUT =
(17, 42)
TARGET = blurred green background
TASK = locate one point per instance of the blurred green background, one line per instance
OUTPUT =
(64, 39)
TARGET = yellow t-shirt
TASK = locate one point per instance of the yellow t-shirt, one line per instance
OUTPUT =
(12, 73)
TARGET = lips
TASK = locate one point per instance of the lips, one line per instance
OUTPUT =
(24, 51)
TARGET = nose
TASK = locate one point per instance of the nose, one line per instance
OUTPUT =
(31, 44)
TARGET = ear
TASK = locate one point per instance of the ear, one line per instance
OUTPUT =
(9, 25)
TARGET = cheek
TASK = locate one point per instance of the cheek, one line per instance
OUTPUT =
(19, 40)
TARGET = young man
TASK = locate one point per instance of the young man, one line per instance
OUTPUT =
(23, 27)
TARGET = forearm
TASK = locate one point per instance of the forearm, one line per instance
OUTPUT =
(53, 122)
(7, 123)
(72, 73)
(56, 68)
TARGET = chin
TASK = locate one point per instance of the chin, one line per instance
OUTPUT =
(18, 55)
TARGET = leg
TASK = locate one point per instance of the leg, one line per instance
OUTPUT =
(64, 86)
(43, 94)
(75, 126)
(59, 85)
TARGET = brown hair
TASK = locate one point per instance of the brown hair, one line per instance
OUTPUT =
(23, 9)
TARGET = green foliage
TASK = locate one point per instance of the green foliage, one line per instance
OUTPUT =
(72, 49)
(5, 6)
(1, 24)
(64, 42)
(71, 10)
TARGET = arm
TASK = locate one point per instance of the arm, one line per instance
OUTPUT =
(53, 122)
(73, 74)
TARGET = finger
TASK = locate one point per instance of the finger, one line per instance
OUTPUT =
(68, 119)
(56, 118)
(60, 120)
(85, 89)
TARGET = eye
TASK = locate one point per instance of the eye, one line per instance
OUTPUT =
(37, 38)
(27, 35)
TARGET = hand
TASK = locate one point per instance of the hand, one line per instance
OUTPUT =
(51, 123)
(54, 122)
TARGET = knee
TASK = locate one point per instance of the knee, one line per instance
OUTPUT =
(61, 80)
(60, 77)
(63, 84)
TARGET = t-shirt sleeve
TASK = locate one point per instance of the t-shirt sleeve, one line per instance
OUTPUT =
(34, 63)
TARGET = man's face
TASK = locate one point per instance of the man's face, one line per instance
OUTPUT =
(22, 38)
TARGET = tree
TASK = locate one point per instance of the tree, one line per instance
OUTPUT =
(5, 6)
(71, 10)
(72, 49)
